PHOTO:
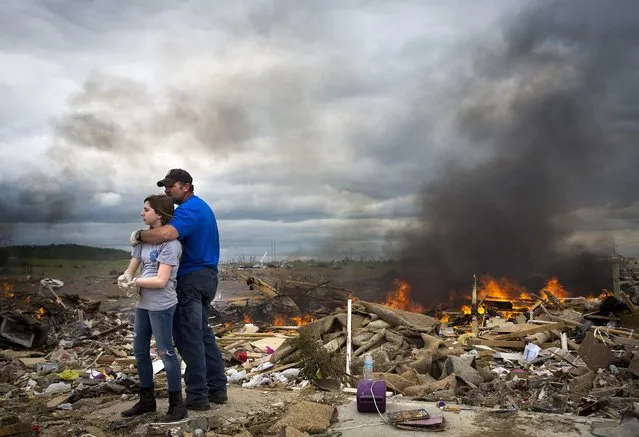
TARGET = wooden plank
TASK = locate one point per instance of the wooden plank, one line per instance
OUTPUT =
(11, 354)
(125, 361)
(61, 399)
(624, 297)
(616, 283)
(554, 299)
(564, 320)
(625, 341)
(628, 332)
(279, 368)
(106, 359)
(533, 330)
(32, 362)
(511, 344)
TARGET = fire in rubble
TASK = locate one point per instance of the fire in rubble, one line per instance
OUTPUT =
(400, 299)
(279, 320)
(506, 298)
(504, 289)
(282, 320)
(7, 290)
(40, 313)
(501, 289)
(303, 320)
(556, 288)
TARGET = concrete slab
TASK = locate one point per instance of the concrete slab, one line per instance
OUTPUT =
(475, 423)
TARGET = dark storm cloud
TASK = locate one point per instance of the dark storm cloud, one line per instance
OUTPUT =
(293, 113)
(542, 113)
(280, 108)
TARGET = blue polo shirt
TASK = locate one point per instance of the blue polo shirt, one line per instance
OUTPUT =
(197, 230)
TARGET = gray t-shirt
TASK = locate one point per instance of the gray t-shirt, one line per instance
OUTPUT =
(150, 257)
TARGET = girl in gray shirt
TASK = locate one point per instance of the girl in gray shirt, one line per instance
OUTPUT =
(154, 311)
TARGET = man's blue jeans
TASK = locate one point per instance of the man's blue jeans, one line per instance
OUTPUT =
(160, 325)
(194, 339)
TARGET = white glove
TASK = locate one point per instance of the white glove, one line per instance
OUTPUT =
(133, 239)
(130, 289)
(123, 280)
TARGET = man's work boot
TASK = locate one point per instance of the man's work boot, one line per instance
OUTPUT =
(146, 404)
(199, 406)
(177, 409)
(218, 398)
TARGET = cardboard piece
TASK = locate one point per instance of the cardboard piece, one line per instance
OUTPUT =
(32, 362)
(61, 399)
(595, 354)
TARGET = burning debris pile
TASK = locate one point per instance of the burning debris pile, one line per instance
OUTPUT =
(513, 349)
(289, 303)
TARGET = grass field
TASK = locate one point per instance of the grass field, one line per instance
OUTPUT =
(63, 268)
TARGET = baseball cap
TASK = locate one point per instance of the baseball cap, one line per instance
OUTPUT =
(175, 175)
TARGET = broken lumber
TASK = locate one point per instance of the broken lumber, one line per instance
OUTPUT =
(533, 330)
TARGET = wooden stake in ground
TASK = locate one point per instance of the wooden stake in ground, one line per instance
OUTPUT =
(474, 296)
(349, 336)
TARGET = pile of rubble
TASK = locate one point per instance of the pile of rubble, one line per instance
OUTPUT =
(558, 357)
(627, 272)
(59, 353)
(62, 354)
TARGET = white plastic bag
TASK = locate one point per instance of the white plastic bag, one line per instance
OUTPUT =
(531, 351)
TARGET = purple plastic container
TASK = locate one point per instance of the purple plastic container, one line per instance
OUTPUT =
(369, 393)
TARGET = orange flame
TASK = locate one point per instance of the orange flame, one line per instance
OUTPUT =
(247, 319)
(466, 309)
(279, 320)
(303, 320)
(7, 289)
(555, 288)
(444, 318)
(41, 312)
(604, 294)
(506, 315)
(400, 298)
(501, 289)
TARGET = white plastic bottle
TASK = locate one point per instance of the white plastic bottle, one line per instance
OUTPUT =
(368, 367)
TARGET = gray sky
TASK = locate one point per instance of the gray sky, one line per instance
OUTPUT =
(314, 124)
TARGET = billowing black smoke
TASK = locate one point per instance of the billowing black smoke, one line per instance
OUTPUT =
(551, 119)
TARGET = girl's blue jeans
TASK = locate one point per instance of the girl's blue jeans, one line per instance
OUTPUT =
(158, 324)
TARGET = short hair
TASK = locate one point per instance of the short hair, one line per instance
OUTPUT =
(162, 205)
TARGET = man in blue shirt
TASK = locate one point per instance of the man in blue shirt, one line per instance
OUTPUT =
(195, 226)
